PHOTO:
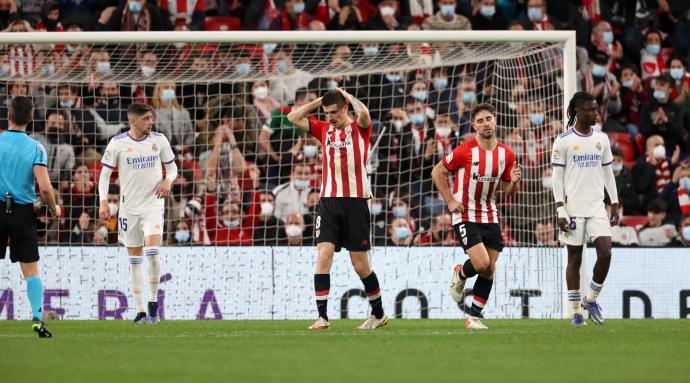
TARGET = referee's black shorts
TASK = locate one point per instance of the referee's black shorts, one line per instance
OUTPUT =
(19, 229)
(344, 222)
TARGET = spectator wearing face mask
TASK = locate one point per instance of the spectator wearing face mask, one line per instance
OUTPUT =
(446, 18)
(652, 172)
(486, 16)
(182, 235)
(107, 117)
(227, 228)
(440, 92)
(263, 103)
(465, 97)
(596, 79)
(389, 18)
(652, 61)
(399, 233)
(663, 117)
(292, 17)
(633, 97)
(678, 70)
(604, 40)
(55, 140)
(681, 178)
(266, 225)
(288, 78)
(292, 196)
(378, 220)
(132, 15)
(658, 231)
(111, 222)
(538, 17)
(171, 118)
(293, 230)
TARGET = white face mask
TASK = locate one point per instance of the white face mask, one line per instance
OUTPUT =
(547, 182)
(293, 231)
(261, 92)
(102, 232)
(266, 208)
(443, 131)
(387, 11)
(659, 152)
(376, 208)
(147, 71)
(114, 208)
(398, 125)
(310, 151)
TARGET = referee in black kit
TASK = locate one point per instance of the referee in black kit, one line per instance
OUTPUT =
(21, 160)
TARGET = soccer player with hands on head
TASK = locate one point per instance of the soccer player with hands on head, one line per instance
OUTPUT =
(343, 218)
(581, 158)
(480, 167)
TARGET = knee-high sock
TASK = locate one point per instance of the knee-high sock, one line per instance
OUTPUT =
(480, 294)
(594, 291)
(371, 287)
(468, 269)
(322, 286)
(574, 300)
(154, 271)
(136, 281)
(34, 289)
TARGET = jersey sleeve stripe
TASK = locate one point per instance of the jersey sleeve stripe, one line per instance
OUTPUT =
(555, 164)
(106, 165)
(40, 164)
(169, 162)
(608, 163)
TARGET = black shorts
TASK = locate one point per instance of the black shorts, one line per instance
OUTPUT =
(471, 233)
(19, 228)
(344, 222)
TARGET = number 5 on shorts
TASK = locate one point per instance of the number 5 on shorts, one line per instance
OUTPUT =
(463, 231)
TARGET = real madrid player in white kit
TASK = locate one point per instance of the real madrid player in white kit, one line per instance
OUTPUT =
(581, 159)
(139, 156)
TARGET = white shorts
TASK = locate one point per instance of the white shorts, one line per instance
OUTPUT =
(132, 228)
(582, 230)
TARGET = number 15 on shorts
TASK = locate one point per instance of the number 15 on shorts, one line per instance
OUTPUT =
(123, 224)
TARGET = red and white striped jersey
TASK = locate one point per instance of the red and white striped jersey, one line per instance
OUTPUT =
(478, 173)
(22, 59)
(182, 9)
(345, 153)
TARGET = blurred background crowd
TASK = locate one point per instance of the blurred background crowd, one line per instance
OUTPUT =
(248, 177)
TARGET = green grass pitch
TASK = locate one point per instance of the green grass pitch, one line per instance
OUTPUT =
(426, 351)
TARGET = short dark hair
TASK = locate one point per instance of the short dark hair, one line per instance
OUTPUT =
(333, 97)
(483, 107)
(136, 110)
(665, 78)
(22, 109)
(657, 205)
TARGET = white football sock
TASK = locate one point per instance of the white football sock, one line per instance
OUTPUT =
(136, 281)
(154, 271)
(594, 291)
(574, 300)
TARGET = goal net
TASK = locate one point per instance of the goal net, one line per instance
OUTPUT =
(249, 178)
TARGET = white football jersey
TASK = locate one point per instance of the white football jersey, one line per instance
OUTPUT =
(583, 158)
(140, 170)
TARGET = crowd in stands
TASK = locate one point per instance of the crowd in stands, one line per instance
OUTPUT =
(248, 177)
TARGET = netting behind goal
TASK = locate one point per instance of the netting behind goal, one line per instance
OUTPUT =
(247, 176)
(415, 93)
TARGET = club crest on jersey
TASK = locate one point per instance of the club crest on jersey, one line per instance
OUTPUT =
(154, 147)
(449, 157)
(576, 147)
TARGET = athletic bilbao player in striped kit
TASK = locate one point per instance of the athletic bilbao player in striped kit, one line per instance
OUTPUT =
(479, 167)
(343, 218)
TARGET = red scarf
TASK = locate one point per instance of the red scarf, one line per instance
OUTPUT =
(663, 175)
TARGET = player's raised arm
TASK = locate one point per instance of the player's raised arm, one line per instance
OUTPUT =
(298, 116)
(361, 110)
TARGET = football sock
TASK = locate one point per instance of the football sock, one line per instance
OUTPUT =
(34, 289)
(136, 280)
(468, 270)
(322, 285)
(154, 271)
(480, 294)
(594, 291)
(574, 300)
(371, 287)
